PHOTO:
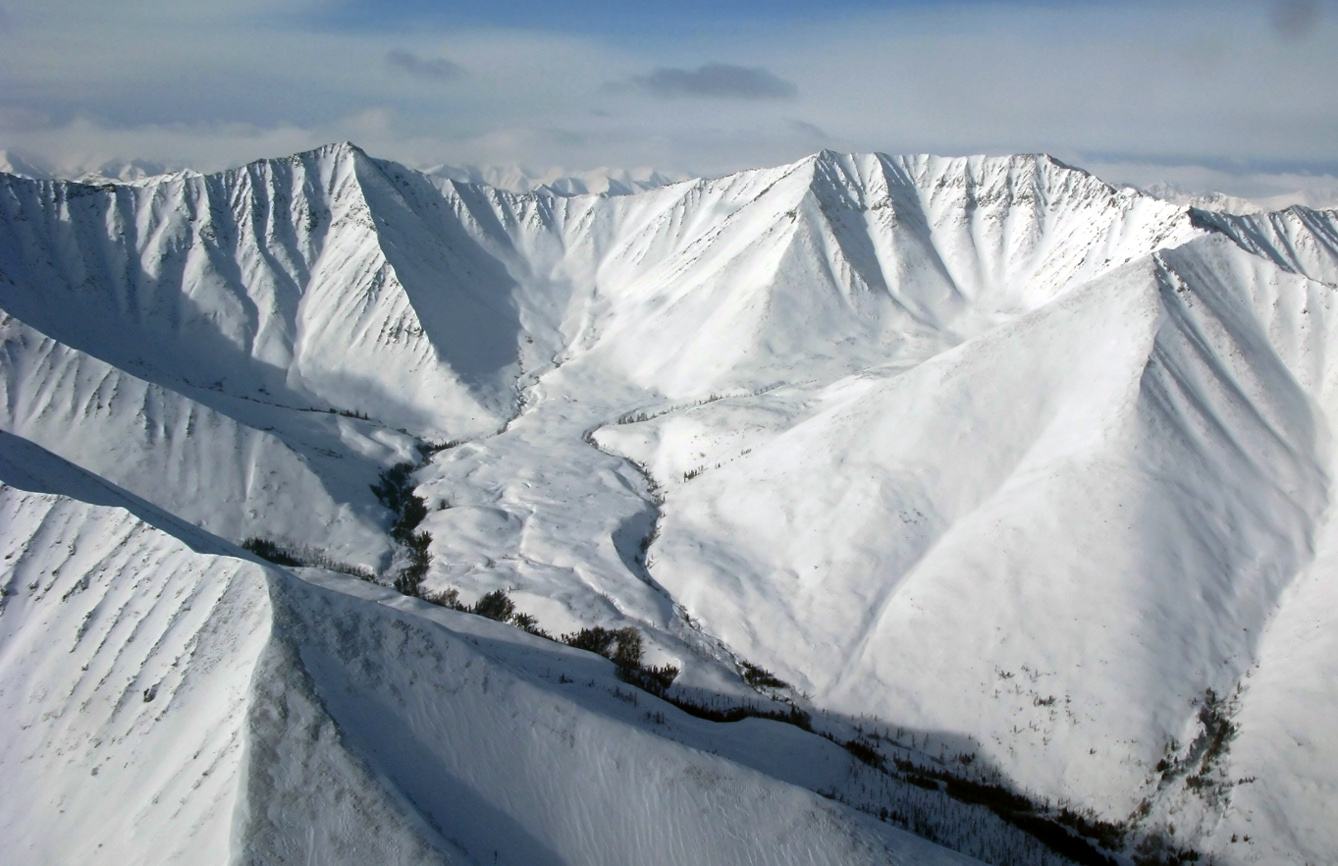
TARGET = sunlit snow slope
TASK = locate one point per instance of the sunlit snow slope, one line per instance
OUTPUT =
(1027, 473)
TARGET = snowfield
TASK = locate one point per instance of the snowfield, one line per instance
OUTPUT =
(982, 509)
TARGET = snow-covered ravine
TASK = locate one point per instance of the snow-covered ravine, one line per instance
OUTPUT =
(200, 695)
(1015, 478)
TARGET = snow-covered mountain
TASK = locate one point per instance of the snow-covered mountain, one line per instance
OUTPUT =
(1313, 195)
(971, 497)
(557, 181)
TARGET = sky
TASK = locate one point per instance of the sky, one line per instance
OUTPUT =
(1235, 94)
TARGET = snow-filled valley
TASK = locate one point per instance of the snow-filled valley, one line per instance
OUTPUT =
(923, 510)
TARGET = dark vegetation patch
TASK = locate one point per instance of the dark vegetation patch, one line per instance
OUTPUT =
(1066, 833)
(410, 579)
(1061, 841)
(427, 449)
(759, 677)
(1156, 851)
(291, 556)
(1108, 835)
(395, 491)
(270, 550)
(1203, 759)
(864, 753)
(723, 710)
(347, 413)
(496, 606)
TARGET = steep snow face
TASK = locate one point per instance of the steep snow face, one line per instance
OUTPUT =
(188, 459)
(270, 282)
(836, 262)
(1297, 239)
(125, 659)
(335, 280)
(1053, 539)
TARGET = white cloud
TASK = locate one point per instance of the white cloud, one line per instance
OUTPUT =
(433, 68)
(1273, 189)
(714, 81)
(210, 83)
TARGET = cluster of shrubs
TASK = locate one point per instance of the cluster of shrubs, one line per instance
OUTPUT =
(638, 417)
(496, 605)
(623, 648)
(760, 678)
(1022, 813)
(1207, 750)
(303, 557)
(715, 709)
(1218, 730)
(410, 578)
(1156, 851)
(395, 491)
(270, 550)
(427, 449)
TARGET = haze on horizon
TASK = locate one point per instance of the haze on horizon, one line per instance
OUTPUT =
(1222, 95)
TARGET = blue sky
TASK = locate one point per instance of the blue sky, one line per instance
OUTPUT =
(1238, 86)
(653, 20)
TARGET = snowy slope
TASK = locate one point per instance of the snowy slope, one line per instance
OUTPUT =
(271, 281)
(125, 659)
(1309, 196)
(1052, 540)
(159, 710)
(980, 450)
(838, 262)
(1297, 239)
(500, 764)
(188, 459)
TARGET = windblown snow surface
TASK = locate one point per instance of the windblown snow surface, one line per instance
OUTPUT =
(1017, 483)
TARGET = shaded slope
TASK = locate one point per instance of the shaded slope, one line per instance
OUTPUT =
(1299, 239)
(188, 459)
(268, 282)
(512, 766)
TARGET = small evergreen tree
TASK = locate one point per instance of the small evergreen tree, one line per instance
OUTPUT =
(495, 605)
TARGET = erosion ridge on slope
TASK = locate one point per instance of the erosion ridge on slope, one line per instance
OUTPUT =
(980, 447)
